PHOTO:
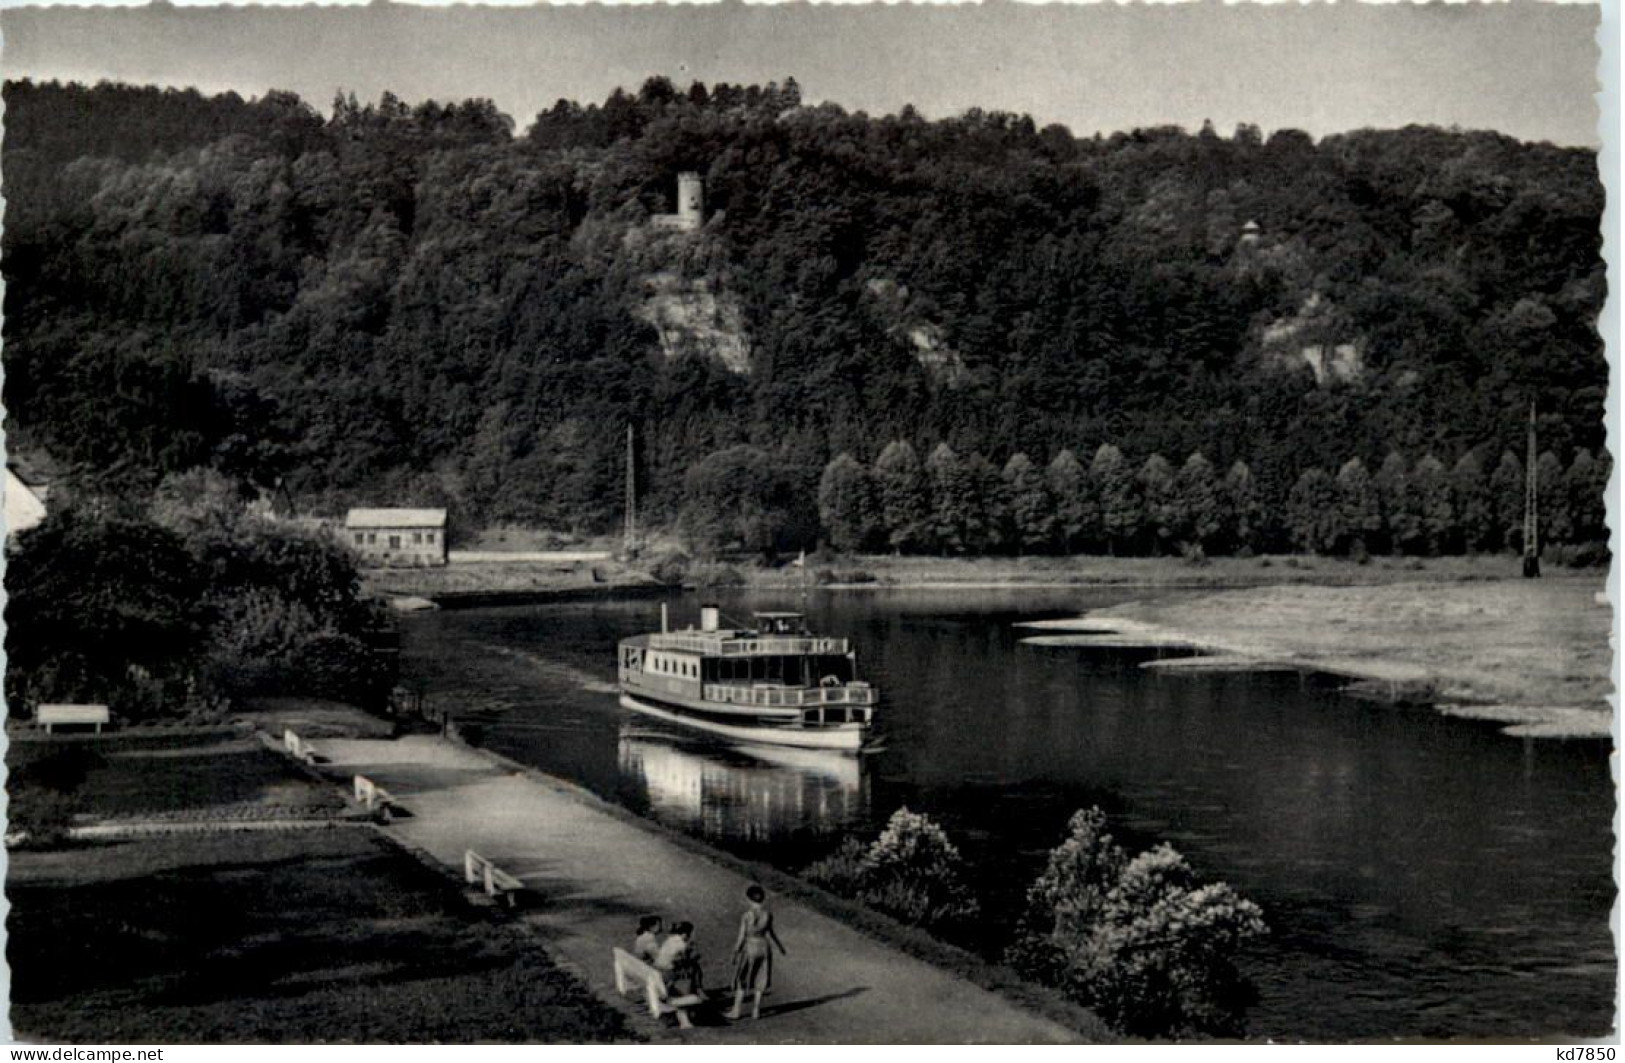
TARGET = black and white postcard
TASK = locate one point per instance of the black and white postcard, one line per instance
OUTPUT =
(732, 523)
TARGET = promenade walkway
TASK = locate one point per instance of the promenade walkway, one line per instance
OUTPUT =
(596, 873)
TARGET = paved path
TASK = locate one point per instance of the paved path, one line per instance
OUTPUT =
(596, 873)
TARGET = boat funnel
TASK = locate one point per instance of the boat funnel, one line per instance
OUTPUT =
(663, 626)
(710, 618)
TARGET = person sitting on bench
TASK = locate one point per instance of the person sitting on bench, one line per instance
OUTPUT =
(646, 946)
(679, 962)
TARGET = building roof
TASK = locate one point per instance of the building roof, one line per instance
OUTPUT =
(395, 518)
(23, 507)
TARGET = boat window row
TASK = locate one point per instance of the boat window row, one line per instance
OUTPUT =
(810, 670)
(680, 666)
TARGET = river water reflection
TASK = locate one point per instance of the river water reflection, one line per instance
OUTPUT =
(1423, 877)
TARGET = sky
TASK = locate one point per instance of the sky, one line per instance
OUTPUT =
(1525, 68)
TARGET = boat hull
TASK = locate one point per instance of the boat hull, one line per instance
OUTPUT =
(844, 736)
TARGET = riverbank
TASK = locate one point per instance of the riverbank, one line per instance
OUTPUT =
(472, 583)
(287, 919)
(595, 869)
(1532, 654)
(477, 580)
(885, 570)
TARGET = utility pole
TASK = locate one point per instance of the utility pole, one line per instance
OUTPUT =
(1531, 506)
(631, 545)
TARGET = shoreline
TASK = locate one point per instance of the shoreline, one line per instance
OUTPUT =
(1531, 656)
(544, 596)
(481, 584)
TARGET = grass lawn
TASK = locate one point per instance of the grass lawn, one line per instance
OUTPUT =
(151, 775)
(312, 718)
(313, 936)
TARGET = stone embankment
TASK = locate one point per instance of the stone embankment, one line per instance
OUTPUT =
(471, 581)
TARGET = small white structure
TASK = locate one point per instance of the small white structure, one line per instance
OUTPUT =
(690, 205)
(24, 505)
(53, 716)
(370, 795)
(397, 537)
(298, 748)
(497, 883)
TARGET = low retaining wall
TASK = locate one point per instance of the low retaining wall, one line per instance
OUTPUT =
(483, 599)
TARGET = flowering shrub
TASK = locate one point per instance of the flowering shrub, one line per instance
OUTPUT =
(1141, 941)
(1068, 899)
(912, 872)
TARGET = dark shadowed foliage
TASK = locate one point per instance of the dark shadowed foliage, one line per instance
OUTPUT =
(413, 303)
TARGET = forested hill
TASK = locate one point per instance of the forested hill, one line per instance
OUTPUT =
(421, 305)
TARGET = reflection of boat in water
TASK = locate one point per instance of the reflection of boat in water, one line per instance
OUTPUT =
(753, 793)
(829, 764)
(774, 684)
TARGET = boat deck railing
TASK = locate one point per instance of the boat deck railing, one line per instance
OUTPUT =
(792, 697)
(730, 644)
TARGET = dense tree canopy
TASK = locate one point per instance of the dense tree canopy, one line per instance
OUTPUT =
(412, 304)
(184, 606)
(846, 504)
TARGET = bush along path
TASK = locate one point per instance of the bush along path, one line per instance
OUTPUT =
(1138, 941)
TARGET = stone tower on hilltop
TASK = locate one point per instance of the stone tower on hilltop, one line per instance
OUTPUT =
(690, 205)
(690, 199)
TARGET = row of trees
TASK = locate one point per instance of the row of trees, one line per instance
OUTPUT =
(966, 505)
(1139, 939)
(1430, 509)
(183, 605)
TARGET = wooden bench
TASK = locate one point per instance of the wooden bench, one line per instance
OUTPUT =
(631, 972)
(374, 798)
(298, 748)
(497, 883)
(49, 716)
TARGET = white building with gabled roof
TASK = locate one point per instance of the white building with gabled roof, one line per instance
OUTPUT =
(397, 537)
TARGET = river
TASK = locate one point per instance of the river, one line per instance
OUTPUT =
(1423, 877)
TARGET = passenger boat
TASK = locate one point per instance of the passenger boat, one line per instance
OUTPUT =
(774, 683)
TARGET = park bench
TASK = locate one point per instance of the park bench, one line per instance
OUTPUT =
(631, 972)
(375, 798)
(298, 748)
(497, 883)
(52, 716)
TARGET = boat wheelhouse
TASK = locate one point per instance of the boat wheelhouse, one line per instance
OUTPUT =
(773, 682)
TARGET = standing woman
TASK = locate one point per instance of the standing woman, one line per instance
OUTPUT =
(753, 960)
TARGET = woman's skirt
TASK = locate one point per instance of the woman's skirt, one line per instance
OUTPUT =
(753, 967)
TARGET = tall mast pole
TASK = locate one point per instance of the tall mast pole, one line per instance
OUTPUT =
(631, 544)
(1531, 505)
